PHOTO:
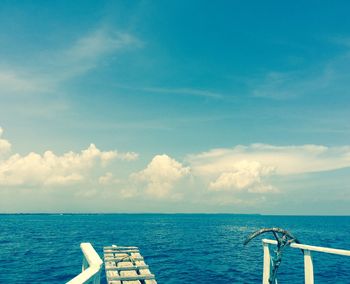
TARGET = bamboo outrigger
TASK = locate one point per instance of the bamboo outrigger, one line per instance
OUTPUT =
(125, 265)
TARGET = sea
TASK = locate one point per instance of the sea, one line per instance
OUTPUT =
(179, 248)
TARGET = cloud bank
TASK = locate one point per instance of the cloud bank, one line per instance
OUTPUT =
(160, 175)
(286, 160)
(244, 176)
(237, 176)
(50, 169)
(250, 169)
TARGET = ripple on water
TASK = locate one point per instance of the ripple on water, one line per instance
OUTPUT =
(179, 248)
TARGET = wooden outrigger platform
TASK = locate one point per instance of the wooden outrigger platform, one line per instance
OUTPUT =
(125, 265)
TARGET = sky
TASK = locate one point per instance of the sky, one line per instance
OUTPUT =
(175, 106)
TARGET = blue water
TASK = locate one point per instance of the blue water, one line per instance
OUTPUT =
(179, 248)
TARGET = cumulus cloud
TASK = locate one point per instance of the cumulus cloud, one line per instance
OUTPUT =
(244, 176)
(52, 169)
(108, 178)
(160, 175)
(5, 146)
(128, 156)
(285, 160)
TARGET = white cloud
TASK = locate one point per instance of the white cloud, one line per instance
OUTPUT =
(99, 43)
(63, 179)
(330, 77)
(177, 91)
(285, 160)
(107, 178)
(79, 57)
(274, 85)
(13, 81)
(87, 52)
(129, 156)
(184, 91)
(129, 192)
(245, 176)
(52, 169)
(5, 146)
(160, 175)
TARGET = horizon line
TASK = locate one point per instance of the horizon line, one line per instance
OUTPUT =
(171, 213)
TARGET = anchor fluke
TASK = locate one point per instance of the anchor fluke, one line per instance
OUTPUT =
(275, 231)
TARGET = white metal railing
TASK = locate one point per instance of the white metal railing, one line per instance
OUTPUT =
(308, 264)
(91, 268)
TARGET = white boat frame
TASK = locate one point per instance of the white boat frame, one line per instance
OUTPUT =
(91, 268)
(308, 264)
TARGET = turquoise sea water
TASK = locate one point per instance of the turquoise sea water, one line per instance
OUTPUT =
(180, 248)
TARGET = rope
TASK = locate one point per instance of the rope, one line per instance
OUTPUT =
(131, 258)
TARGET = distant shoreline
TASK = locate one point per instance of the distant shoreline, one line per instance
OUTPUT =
(168, 213)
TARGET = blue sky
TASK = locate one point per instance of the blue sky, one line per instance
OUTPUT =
(175, 106)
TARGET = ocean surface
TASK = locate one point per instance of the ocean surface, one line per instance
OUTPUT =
(180, 248)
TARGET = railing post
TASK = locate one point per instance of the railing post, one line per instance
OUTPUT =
(91, 266)
(308, 267)
(267, 263)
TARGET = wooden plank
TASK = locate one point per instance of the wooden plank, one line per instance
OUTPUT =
(134, 267)
(122, 251)
(136, 255)
(121, 255)
(110, 274)
(109, 265)
(145, 271)
(117, 259)
(120, 247)
(132, 277)
(128, 273)
(153, 281)
(125, 265)
(140, 262)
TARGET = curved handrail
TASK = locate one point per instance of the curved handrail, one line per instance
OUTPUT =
(312, 248)
(92, 265)
(308, 262)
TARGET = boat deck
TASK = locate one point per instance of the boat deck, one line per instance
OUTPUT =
(125, 265)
